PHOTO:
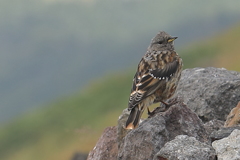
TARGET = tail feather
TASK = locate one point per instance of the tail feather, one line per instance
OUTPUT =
(133, 118)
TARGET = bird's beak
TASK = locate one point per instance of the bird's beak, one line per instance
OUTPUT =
(172, 39)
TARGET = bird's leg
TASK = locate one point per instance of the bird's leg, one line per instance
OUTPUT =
(161, 108)
(150, 113)
(155, 110)
(167, 105)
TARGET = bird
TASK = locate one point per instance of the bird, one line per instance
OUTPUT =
(156, 78)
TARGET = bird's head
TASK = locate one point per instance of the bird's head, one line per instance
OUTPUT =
(162, 41)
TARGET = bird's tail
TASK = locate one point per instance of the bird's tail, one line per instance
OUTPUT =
(133, 119)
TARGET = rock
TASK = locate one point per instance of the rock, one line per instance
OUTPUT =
(210, 92)
(222, 133)
(185, 147)
(106, 147)
(233, 118)
(213, 125)
(228, 148)
(121, 131)
(145, 141)
(79, 156)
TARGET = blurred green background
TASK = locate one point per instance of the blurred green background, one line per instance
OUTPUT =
(67, 65)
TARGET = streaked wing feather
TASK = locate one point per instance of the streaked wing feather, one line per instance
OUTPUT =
(144, 84)
(166, 72)
(142, 89)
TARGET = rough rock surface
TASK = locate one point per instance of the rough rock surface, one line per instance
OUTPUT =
(228, 148)
(106, 147)
(210, 92)
(213, 125)
(222, 133)
(233, 119)
(121, 131)
(184, 147)
(145, 141)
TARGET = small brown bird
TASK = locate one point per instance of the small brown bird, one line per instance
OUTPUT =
(156, 78)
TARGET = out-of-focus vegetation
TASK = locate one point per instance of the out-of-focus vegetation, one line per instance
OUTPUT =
(51, 48)
(221, 50)
(74, 123)
(67, 125)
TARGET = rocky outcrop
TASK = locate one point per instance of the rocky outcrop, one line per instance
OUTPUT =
(121, 131)
(106, 147)
(204, 95)
(151, 135)
(210, 92)
(228, 148)
(185, 147)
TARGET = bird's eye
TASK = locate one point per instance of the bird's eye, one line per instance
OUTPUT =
(160, 41)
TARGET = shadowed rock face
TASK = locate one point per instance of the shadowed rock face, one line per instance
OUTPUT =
(151, 135)
(210, 92)
(106, 147)
(213, 125)
(222, 133)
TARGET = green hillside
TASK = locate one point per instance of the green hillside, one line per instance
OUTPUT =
(74, 123)
(76, 120)
(221, 50)
(47, 45)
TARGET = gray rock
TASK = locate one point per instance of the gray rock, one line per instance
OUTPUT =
(210, 92)
(106, 147)
(121, 131)
(145, 141)
(184, 147)
(228, 148)
(213, 125)
(222, 133)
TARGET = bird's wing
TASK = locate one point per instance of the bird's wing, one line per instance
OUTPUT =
(146, 83)
(166, 72)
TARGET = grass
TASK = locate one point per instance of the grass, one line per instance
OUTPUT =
(221, 50)
(73, 124)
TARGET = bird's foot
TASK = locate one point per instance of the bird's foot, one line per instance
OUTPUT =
(170, 103)
(155, 110)
(162, 108)
(150, 113)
